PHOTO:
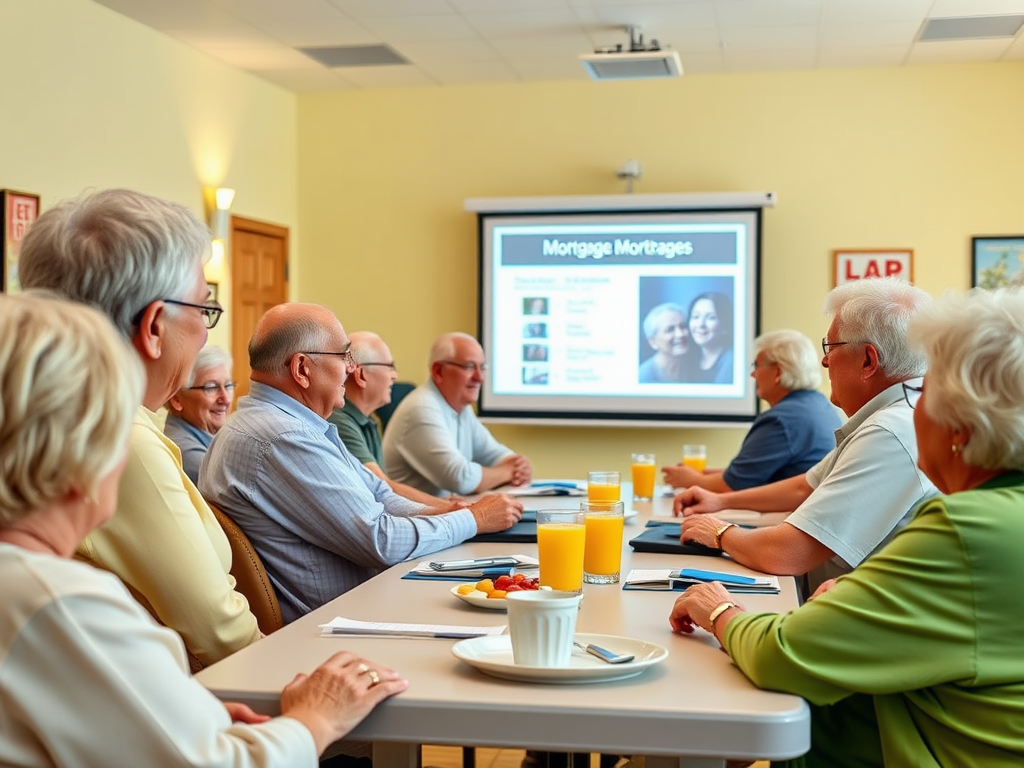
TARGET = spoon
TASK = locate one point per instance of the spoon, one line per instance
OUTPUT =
(604, 654)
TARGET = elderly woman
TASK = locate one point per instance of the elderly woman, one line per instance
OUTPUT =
(666, 333)
(201, 407)
(86, 677)
(789, 438)
(139, 260)
(710, 324)
(914, 658)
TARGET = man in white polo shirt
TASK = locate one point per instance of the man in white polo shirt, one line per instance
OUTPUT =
(855, 499)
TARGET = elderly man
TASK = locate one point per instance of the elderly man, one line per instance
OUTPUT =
(368, 388)
(435, 442)
(793, 435)
(856, 498)
(321, 522)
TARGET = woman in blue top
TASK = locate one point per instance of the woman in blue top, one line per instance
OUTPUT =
(710, 323)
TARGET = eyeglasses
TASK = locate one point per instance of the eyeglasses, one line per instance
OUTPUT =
(468, 367)
(826, 346)
(211, 312)
(912, 394)
(754, 366)
(346, 356)
(390, 365)
(212, 388)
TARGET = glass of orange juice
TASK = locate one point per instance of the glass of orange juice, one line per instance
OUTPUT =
(602, 556)
(561, 537)
(603, 486)
(695, 457)
(643, 476)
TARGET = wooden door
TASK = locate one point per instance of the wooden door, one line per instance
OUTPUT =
(259, 280)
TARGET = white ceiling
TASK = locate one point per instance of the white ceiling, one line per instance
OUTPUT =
(453, 42)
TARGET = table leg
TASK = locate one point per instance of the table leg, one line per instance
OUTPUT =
(395, 754)
(680, 762)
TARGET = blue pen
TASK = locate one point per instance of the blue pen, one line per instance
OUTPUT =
(554, 485)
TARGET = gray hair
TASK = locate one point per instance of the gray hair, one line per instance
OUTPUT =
(271, 349)
(70, 387)
(974, 343)
(117, 249)
(653, 318)
(444, 347)
(879, 311)
(364, 346)
(795, 355)
(210, 356)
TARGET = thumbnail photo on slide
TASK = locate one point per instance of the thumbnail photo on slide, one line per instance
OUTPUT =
(535, 330)
(686, 330)
(535, 305)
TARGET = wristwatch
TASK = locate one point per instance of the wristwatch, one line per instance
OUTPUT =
(718, 611)
(720, 531)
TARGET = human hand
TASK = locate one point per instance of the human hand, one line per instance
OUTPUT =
(695, 605)
(243, 713)
(522, 471)
(824, 587)
(696, 501)
(496, 512)
(680, 475)
(338, 694)
(701, 529)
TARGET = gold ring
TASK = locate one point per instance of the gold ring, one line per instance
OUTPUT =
(374, 678)
(362, 669)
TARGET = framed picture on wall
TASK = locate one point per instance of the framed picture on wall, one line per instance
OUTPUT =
(851, 264)
(997, 262)
(214, 290)
(18, 210)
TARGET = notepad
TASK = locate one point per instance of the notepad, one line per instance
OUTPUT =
(471, 571)
(342, 626)
(678, 580)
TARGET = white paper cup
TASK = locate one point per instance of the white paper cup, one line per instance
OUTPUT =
(542, 625)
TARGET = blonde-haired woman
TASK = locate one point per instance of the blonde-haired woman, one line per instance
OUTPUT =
(87, 678)
(914, 658)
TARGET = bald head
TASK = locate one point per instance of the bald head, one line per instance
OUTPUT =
(457, 369)
(450, 345)
(369, 386)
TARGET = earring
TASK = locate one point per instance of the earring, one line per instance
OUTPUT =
(955, 448)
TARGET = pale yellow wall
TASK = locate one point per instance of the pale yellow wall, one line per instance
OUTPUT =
(911, 157)
(90, 99)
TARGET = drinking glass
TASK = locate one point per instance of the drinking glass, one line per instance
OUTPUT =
(695, 457)
(643, 476)
(561, 537)
(602, 556)
(603, 486)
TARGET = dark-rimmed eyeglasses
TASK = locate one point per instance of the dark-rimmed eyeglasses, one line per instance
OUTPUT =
(468, 367)
(826, 346)
(390, 365)
(912, 394)
(211, 312)
(346, 356)
(212, 387)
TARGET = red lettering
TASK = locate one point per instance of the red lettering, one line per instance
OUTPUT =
(872, 270)
(849, 271)
(893, 267)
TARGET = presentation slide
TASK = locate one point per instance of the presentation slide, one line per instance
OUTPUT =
(620, 316)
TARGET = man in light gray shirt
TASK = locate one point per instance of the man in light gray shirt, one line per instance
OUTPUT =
(434, 441)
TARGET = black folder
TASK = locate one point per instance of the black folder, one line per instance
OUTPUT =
(664, 539)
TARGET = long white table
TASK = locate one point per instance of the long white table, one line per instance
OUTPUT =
(694, 710)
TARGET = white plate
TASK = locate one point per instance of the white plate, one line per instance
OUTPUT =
(480, 600)
(493, 656)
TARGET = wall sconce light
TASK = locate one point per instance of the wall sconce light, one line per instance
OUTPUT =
(218, 212)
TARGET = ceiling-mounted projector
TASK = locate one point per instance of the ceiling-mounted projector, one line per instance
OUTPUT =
(640, 61)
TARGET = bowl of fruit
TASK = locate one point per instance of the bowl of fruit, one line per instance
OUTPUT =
(490, 593)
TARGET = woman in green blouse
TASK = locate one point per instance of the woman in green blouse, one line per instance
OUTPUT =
(916, 658)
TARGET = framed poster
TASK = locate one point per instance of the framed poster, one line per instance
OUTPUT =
(997, 262)
(18, 210)
(851, 264)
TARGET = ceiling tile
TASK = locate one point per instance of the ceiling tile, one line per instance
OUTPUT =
(865, 11)
(771, 38)
(957, 50)
(703, 63)
(881, 34)
(210, 38)
(652, 18)
(943, 8)
(254, 59)
(446, 51)
(548, 69)
(406, 28)
(745, 14)
(360, 9)
(863, 56)
(499, 6)
(388, 77)
(478, 72)
(553, 47)
(163, 15)
(765, 61)
(517, 24)
(306, 80)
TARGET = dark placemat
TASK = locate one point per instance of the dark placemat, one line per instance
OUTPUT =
(664, 539)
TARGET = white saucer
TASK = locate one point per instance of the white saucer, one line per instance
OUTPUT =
(493, 656)
(480, 600)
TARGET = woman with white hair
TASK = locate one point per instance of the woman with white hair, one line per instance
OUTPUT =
(792, 436)
(139, 260)
(667, 334)
(86, 676)
(200, 408)
(914, 658)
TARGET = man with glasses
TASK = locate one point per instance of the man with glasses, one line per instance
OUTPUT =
(321, 522)
(368, 388)
(434, 441)
(855, 499)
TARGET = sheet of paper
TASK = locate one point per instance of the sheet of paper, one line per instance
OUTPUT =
(342, 626)
(522, 562)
